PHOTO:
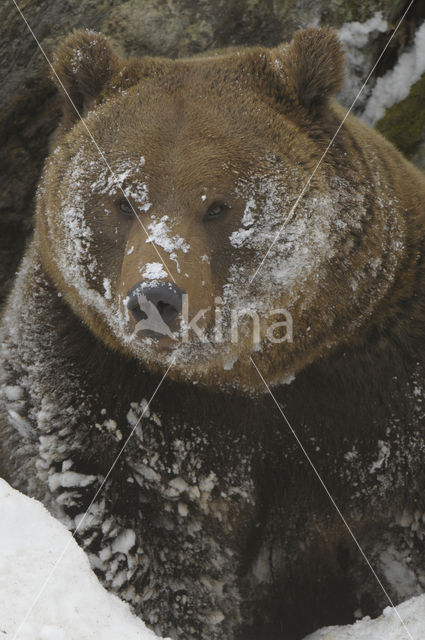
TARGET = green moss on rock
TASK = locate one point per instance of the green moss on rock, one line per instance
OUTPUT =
(404, 122)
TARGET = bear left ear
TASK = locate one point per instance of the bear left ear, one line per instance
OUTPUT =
(308, 70)
(84, 62)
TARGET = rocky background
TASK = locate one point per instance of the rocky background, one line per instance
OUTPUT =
(29, 105)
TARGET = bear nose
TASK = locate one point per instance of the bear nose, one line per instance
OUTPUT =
(165, 296)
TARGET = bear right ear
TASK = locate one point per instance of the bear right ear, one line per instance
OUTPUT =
(84, 63)
(305, 73)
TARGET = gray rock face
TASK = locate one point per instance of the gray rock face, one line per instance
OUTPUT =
(28, 103)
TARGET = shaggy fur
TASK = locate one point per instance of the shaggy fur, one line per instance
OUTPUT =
(212, 524)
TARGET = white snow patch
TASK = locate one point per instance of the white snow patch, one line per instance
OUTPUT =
(69, 479)
(383, 455)
(74, 249)
(179, 484)
(386, 627)
(107, 287)
(153, 271)
(183, 509)
(119, 182)
(14, 392)
(395, 567)
(73, 605)
(395, 85)
(355, 36)
(207, 484)
(124, 541)
(160, 234)
(22, 425)
(238, 238)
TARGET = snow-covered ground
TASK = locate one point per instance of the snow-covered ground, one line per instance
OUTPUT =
(74, 606)
(386, 627)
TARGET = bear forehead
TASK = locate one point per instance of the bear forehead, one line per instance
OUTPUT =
(189, 130)
(188, 75)
(209, 98)
(203, 141)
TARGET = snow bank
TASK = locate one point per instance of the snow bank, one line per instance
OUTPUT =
(358, 39)
(395, 85)
(386, 627)
(73, 606)
(361, 54)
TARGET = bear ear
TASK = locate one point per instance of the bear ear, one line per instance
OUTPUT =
(309, 70)
(84, 63)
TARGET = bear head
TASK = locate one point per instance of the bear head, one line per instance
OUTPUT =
(185, 216)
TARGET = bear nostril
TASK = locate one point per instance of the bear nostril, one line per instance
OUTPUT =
(167, 311)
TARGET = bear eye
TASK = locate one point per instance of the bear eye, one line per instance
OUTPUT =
(125, 208)
(215, 210)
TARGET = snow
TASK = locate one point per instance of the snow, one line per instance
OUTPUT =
(73, 249)
(356, 34)
(238, 238)
(124, 541)
(13, 392)
(383, 455)
(118, 181)
(395, 85)
(153, 271)
(359, 58)
(386, 627)
(73, 605)
(389, 89)
(394, 567)
(160, 234)
(107, 287)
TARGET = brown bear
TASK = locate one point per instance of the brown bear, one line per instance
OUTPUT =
(202, 271)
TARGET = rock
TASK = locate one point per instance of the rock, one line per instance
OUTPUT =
(404, 124)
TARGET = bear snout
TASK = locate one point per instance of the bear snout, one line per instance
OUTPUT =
(155, 304)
